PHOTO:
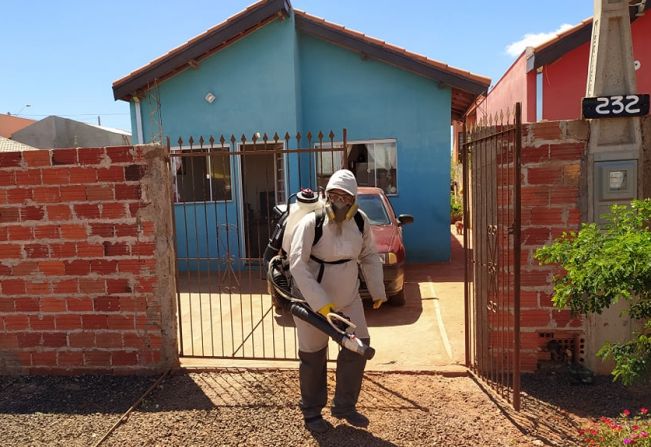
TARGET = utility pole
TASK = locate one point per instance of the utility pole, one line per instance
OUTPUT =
(613, 109)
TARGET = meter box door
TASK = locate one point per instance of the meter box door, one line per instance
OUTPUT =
(615, 183)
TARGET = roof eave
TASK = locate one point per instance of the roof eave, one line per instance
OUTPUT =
(128, 86)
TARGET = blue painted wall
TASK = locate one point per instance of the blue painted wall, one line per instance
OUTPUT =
(276, 79)
(378, 101)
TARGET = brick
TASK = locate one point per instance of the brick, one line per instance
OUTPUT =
(528, 299)
(10, 251)
(37, 288)
(48, 194)
(33, 251)
(534, 318)
(70, 358)
(116, 249)
(84, 304)
(92, 285)
(94, 321)
(56, 176)
(65, 287)
(86, 211)
(573, 217)
(133, 304)
(83, 175)
(124, 358)
(108, 340)
(135, 207)
(37, 158)
(98, 193)
(569, 151)
(29, 177)
(116, 322)
(134, 172)
(97, 358)
(26, 304)
(564, 196)
(145, 284)
(531, 155)
(102, 230)
(74, 193)
(113, 211)
(534, 278)
(571, 174)
(64, 157)
(535, 235)
(18, 195)
(46, 232)
(20, 233)
(77, 268)
(10, 159)
(135, 341)
(120, 285)
(41, 323)
(16, 323)
(126, 230)
(120, 154)
(28, 213)
(143, 249)
(9, 215)
(544, 175)
(81, 340)
(103, 267)
(67, 322)
(88, 250)
(135, 266)
(534, 196)
(61, 251)
(106, 304)
(127, 192)
(111, 174)
(8, 342)
(24, 269)
(55, 339)
(546, 130)
(52, 268)
(91, 155)
(73, 231)
(29, 340)
(7, 178)
(543, 216)
(58, 212)
(12, 287)
(5, 270)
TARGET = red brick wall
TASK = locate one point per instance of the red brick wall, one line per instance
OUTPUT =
(553, 188)
(82, 285)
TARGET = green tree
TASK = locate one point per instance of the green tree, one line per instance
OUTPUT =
(603, 265)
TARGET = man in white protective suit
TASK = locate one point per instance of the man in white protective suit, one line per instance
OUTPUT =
(326, 274)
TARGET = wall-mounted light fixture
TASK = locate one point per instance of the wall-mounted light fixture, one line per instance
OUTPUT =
(210, 98)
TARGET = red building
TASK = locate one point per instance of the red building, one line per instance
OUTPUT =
(550, 80)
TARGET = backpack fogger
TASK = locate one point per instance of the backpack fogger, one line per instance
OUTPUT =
(336, 325)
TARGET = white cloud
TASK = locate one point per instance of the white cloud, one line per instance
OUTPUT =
(533, 40)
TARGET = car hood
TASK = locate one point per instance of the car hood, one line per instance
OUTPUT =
(384, 237)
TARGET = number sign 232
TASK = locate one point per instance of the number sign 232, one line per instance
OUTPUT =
(615, 106)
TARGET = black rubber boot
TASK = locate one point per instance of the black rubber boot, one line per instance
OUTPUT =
(313, 379)
(350, 372)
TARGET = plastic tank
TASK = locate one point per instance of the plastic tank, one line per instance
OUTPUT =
(306, 202)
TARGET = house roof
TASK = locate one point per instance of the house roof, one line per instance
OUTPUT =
(570, 39)
(7, 145)
(465, 85)
(10, 124)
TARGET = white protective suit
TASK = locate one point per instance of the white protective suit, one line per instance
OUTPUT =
(339, 285)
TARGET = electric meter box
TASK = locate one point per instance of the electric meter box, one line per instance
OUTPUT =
(615, 182)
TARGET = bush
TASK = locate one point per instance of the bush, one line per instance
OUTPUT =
(602, 266)
(624, 430)
(456, 209)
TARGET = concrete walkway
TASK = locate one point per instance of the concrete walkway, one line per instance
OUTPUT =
(427, 334)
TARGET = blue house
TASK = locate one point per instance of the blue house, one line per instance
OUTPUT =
(273, 69)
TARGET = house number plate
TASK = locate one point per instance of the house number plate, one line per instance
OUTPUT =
(615, 106)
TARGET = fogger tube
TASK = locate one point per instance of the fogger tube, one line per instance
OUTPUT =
(347, 341)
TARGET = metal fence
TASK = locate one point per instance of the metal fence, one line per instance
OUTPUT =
(225, 189)
(491, 184)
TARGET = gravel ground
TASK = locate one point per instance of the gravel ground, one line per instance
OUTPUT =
(258, 408)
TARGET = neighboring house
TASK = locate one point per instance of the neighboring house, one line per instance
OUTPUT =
(550, 79)
(56, 132)
(7, 145)
(273, 69)
(10, 124)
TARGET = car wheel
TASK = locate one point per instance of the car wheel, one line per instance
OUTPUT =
(398, 299)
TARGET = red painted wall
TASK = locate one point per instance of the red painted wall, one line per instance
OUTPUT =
(564, 80)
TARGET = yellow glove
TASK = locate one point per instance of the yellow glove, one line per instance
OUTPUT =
(377, 304)
(325, 310)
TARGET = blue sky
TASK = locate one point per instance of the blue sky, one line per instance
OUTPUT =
(61, 57)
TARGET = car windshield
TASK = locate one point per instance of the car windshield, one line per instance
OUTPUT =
(373, 207)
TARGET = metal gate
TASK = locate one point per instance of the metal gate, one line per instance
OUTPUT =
(491, 185)
(224, 192)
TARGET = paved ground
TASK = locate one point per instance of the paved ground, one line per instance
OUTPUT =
(427, 334)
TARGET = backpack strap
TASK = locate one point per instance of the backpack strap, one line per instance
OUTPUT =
(359, 220)
(318, 227)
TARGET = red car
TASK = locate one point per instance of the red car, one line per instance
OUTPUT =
(387, 231)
